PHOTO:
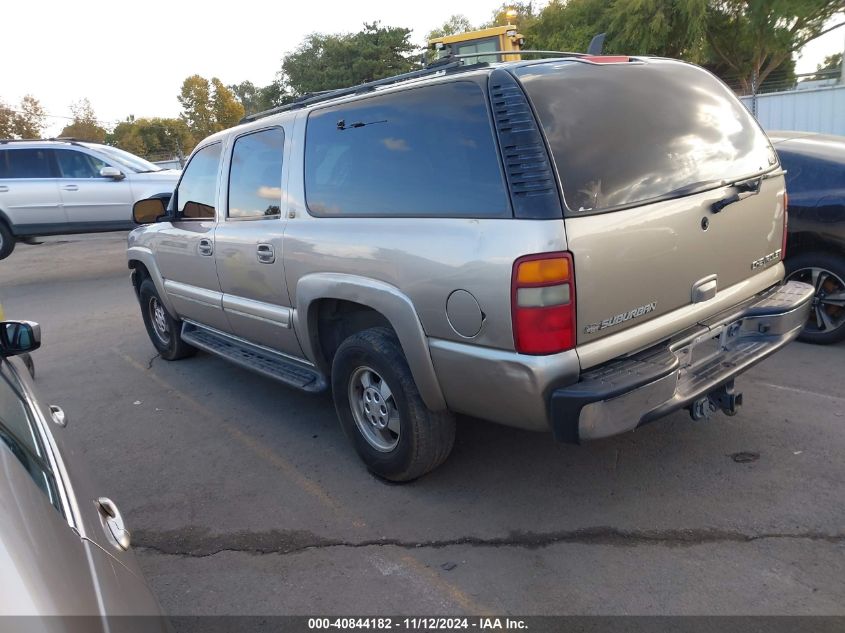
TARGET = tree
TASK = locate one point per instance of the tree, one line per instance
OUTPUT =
(208, 106)
(255, 99)
(84, 125)
(754, 38)
(326, 62)
(457, 23)
(158, 137)
(667, 28)
(27, 121)
(830, 68)
(567, 26)
(743, 41)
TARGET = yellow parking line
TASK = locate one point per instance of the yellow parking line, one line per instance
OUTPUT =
(314, 489)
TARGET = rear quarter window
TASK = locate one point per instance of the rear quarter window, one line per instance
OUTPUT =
(426, 151)
(628, 133)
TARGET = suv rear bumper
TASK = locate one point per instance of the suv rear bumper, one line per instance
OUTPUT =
(624, 394)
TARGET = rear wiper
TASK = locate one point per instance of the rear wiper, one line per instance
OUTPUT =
(695, 187)
(743, 190)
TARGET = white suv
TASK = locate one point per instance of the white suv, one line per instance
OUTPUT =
(58, 187)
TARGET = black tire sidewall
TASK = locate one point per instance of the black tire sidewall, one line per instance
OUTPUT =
(8, 241)
(358, 352)
(147, 291)
(832, 262)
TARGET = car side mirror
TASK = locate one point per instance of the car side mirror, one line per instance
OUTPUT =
(19, 337)
(148, 211)
(112, 172)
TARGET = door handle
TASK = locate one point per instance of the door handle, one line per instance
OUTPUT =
(205, 247)
(3, 188)
(113, 522)
(58, 415)
(266, 253)
(70, 187)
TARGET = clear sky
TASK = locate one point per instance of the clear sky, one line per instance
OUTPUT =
(131, 58)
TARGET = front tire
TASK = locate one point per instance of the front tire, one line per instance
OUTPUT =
(164, 331)
(826, 273)
(381, 411)
(7, 241)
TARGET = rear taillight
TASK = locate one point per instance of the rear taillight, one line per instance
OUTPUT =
(785, 225)
(543, 303)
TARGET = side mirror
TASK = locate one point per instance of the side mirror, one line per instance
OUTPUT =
(19, 337)
(112, 172)
(148, 211)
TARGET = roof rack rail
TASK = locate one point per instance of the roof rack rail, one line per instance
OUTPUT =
(65, 139)
(448, 64)
(451, 65)
(525, 52)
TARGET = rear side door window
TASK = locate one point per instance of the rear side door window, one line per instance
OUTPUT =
(422, 152)
(255, 176)
(25, 163)
(196, 194)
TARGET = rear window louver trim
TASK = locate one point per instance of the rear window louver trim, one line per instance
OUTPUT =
(531, 181)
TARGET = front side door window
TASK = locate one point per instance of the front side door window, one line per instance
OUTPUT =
(197, 192)
(74, 164)
(19, 434)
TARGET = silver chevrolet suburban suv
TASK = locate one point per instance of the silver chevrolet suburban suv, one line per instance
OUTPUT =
(578, 245)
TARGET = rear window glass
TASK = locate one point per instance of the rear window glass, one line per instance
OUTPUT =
(426, 151)
(623, 134)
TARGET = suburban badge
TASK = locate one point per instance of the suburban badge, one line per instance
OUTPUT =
(621, 318)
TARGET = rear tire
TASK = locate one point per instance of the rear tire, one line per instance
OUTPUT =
(381, 411)
(826, 272)
(7, 241)
(164, 331)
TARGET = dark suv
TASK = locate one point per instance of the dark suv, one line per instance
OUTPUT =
(815, 181)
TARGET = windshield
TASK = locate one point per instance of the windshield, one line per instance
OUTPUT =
(125, 159)
(628, 133)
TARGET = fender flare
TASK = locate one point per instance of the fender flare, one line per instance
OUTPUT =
(145, 257)
(386, 299)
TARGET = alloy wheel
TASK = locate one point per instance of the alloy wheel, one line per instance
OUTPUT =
(374, 409)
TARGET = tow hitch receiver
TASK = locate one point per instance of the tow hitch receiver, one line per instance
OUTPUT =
(724, 398)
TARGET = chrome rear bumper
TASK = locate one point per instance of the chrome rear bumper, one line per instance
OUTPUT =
(624, 394)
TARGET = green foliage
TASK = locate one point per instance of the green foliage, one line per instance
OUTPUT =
(567, 26)
(84, 125)
(831, 62)
(740, 40)
(157, 138)
(25, 121)
(667, 28)
(457, 23)
(829, 68)
(325, 62)
(753, 38)
(208, 106)
(255, 99)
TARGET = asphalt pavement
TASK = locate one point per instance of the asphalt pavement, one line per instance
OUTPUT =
(244, 497)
